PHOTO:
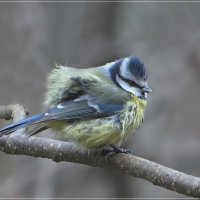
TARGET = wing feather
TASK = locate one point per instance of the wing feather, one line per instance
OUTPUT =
(83, 108)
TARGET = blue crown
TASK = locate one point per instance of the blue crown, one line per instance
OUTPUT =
(137, 68)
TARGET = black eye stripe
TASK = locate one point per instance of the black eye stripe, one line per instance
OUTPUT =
(132, 83)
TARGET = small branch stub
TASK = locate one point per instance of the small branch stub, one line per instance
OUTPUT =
(14, 112)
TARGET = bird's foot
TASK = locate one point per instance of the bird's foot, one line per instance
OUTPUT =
(115, 150)
(121, 150)
(107, 152)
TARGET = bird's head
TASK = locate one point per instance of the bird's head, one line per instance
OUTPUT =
(130, 75)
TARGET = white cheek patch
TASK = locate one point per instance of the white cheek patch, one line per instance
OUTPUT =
(127, 87)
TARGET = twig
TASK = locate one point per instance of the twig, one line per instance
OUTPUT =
(15, 112)
(127, 164)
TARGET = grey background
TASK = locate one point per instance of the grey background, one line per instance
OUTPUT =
(33, 36)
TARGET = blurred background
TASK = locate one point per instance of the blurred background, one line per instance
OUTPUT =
(166, 36)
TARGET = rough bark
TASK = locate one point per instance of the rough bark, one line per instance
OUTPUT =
(18, 143)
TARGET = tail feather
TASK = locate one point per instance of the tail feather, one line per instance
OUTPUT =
(37, 130)
(21, 124)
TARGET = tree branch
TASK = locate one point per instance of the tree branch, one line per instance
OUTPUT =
(19, 144)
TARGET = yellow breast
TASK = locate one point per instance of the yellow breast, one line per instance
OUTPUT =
(101, 132)
(132, 116)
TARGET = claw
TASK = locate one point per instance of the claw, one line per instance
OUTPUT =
(121, 150)
(114, 150)
(107, 152)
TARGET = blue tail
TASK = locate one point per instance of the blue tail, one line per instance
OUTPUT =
(21, 124)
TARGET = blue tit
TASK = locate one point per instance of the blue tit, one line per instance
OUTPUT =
(95, 107)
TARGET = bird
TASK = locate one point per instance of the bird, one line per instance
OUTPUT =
(96, 108)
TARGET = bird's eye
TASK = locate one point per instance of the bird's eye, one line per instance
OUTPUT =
(134, 84)
(130, 82)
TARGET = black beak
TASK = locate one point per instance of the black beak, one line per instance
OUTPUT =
(146, 89)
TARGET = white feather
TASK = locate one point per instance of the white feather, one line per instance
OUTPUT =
(127, 87)
(60, 106)
(124, 71)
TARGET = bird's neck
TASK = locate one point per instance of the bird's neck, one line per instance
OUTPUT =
(141, 103)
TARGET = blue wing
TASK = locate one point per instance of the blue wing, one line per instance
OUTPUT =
(85, 107)
(21, 124)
